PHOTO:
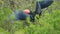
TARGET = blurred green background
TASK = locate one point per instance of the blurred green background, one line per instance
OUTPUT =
(48, 23)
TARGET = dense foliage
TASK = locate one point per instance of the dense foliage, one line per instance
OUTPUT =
(48, 22)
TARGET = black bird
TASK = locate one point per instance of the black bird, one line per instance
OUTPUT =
(22, 15)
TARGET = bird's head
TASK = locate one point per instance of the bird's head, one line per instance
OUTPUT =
(27, 11)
